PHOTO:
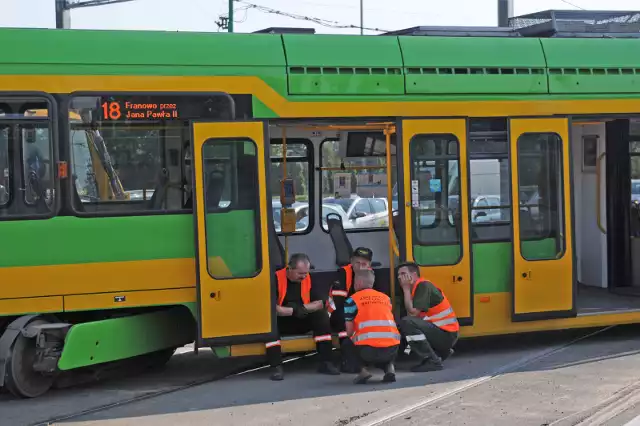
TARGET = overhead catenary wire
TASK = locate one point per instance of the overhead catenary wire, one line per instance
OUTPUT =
(571, 4)
(320, 21)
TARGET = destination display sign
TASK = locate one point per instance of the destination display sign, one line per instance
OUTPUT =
(117, 110)
(161, 107)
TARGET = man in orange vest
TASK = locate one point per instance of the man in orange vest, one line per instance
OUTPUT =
(299, 311)
(342, 288)
(431, 326)
(372, 328)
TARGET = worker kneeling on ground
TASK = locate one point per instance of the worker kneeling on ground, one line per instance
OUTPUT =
(299, 311)
(342, 288)
(372, 328)
(431, 327)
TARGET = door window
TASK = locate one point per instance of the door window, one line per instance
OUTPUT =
(540, 186)
(435, 193)
(232, 208)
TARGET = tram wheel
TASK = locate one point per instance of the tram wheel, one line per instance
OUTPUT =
(21, 379)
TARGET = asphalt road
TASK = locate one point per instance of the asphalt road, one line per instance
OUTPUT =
(550, 379)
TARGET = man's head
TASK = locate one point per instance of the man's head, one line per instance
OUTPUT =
(364, 279)
(409, 269)
(361, 258)
(298, 267)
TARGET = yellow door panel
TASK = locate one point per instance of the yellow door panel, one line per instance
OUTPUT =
(437, 206)
(234, 276)
(542, 234)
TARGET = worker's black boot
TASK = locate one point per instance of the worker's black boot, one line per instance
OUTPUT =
(428, 364)
(277, 373)
(326, 367)
(447, 354)
(362, 377)
(389, 373)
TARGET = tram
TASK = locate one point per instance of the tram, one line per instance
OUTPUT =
(152, 182)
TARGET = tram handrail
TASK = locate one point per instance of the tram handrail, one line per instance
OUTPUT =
(598, 192)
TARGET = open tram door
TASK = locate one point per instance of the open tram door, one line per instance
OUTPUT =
(436, 207)
(236, 301)
(543, 284)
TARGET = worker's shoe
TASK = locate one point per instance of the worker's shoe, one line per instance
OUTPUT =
(389, 373)
(362, 377)
(447, 354)
(427, 365)
(277, 373)
(328, 368)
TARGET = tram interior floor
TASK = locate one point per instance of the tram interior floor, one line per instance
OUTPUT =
(597, 300)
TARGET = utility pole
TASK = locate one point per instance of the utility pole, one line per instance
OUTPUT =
(230, 16)
(361, 17)
(63, 15)
(505, 11)
(63, 9)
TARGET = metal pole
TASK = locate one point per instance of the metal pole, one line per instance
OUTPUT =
(505, 11)
(361, 17)
(63, 15)
(230, 16)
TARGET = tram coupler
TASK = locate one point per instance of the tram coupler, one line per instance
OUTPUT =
(49, 343)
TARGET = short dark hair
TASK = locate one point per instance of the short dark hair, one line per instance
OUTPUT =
(297, 258)
(411, 266)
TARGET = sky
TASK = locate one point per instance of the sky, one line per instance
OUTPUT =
(201, 15)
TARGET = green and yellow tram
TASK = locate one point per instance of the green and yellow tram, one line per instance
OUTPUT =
(141, 173)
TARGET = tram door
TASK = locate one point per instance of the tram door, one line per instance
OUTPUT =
(544, 284)
(436, 208)
(235, 296)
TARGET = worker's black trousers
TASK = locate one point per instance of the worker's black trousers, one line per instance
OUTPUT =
(426, 339)
(371, 356)
(338, 326)
(317, 322)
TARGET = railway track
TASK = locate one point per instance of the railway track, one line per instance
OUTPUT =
(382, 416)
(257, 366)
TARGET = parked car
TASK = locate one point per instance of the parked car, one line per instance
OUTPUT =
(302, 215)
(361, 212)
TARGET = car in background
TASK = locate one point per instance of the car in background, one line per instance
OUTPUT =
(302, 215)
(359, 212)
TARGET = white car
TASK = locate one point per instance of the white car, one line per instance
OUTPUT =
(359, 212)
(302, 215)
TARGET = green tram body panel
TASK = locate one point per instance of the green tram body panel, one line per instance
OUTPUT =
(299, 68)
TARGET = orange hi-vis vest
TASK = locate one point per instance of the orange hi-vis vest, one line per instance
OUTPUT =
(331, 306)
(441, 315)
(374, 323)
(305, 290)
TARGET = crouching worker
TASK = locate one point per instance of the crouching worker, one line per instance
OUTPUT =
(371, 326)
(431, 327)
(299, 311)
(342, 288)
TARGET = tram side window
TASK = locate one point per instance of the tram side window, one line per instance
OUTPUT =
(232, 203)
(299, 162)
(541, 193)
(27, 178)
(490, 180)
(129, 153)
(359, 196)
(435, 197)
